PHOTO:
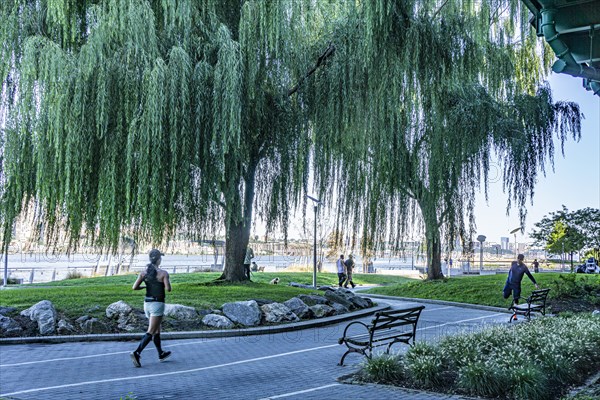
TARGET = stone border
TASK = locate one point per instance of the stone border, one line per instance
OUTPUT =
(313, 323)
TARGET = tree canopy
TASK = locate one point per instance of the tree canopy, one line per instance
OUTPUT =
(145, 117)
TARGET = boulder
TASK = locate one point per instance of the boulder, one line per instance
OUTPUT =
(64, 327)
(298, 307)
(339, 308)
(217, 321)
(9, 327)
(118, 310)
(7, 310)
(45, 316)
(277, 312)
(181, 312)
(262, 302)
(340, 298)
(349, 296)
(321, 310)
(300, 285)
(312, 299)
(93, 325)
(245, 313)
(596, 313)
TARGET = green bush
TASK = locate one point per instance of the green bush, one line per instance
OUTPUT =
(536, 360)
(425, 365)
(385, 368)
(74, 274)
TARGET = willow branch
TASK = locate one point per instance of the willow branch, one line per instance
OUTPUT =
(438, 10)
(326, 54)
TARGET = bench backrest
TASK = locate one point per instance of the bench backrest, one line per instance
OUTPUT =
(538, 296)
(396, 318)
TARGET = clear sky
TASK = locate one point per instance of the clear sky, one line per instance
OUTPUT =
(575, 181)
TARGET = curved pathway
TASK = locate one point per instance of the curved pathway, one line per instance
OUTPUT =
(290, 365)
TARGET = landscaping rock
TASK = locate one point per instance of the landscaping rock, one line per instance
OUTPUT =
(64, 327)
(246, 313)
(262, 302)
(322, 310)
(300, 285)
(277, 312)
(339, 308)
(7, 310)
(596, 313)
(93, 325)
(118, 309)
(217, 321)
(298, 307)
(9, 327)
(82, 319)
(337, 297)
(181, 312)
(312, 299)
(45, 316)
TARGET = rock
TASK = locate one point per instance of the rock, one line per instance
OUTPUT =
(93, 309)
(277, 312)
(321, 310)
(361, 302)
(336, 297)
(9, 327)
(181, 312)
(7, 310)
(339, 308)
(246, 313)
(262, 302)
(82, 319)
(300, 285)
(217, 321)
(356, 301)
(45, 316)
(596, 313)
(312, 299)
(93, 325)
(116, 310)
(64, 327)
(298, 307)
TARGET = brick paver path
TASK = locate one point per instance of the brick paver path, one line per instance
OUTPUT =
(293, 365)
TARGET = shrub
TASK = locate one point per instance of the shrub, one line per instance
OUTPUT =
(74, 274)
(483, 379)
(425, 362)
(384, 369)
(528, 383)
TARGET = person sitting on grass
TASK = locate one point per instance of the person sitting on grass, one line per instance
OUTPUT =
(515, 276)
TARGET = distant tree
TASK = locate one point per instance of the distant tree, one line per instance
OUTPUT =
(568, 232)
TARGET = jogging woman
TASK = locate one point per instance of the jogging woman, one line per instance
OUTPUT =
(157, 280)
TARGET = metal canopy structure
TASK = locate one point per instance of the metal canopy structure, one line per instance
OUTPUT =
(572, 29)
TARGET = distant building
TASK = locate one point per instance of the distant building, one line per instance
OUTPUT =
(504, 241)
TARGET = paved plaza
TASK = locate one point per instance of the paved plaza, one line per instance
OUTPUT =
(290, 365)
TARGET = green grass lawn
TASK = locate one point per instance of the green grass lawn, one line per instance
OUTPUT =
(485, 290)
(74, 297)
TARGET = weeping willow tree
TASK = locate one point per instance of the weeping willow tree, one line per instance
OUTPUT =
(145, 118)
(420, 99)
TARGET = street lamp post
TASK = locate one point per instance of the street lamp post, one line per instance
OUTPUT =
(316, 203)
(514, 232)
(481, 239)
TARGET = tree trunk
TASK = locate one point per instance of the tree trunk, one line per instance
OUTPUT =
(238, 232)
(433, 241)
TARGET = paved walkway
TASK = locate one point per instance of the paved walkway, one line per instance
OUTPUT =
(292, 365)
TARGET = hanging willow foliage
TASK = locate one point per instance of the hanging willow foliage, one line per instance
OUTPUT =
(421, 97)
(143, 118)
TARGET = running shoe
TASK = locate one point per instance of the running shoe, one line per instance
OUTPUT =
(135, 357)
(164, 355)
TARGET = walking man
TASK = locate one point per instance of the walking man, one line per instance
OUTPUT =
(247, 260)
(515, 276)
(349, 266)
(341, 270)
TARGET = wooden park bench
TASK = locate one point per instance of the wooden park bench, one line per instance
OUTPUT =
(536, 302)
(386, 328)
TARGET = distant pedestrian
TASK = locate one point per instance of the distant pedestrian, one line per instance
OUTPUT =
(515, 276)
(349, 264)
(536, 266)
(247, 260)
(157, 281)
(341, 270)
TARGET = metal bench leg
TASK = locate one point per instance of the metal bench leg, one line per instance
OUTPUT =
(352, 350)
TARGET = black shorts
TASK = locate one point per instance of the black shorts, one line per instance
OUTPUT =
(508, 288)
